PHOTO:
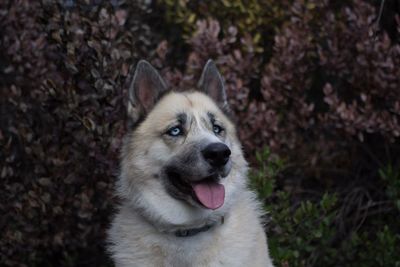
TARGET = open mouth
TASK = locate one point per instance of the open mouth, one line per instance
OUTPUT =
(207, 191)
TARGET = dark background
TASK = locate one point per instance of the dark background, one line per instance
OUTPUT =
(315, 87)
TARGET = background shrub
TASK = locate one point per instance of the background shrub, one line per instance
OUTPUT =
(328, 229)
(315, 82)
(62, 108)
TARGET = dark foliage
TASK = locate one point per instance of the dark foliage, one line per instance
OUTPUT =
(333, 78)
(62, 108)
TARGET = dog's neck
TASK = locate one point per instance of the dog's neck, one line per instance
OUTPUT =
(182, 230)
(195, 231)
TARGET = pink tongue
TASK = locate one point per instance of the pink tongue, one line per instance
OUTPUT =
(210, 194)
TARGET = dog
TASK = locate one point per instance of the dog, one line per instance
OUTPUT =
(182, 183)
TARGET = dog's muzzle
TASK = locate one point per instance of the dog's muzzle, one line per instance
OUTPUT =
(199, 175)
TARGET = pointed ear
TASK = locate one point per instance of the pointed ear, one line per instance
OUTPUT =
(212, 84)
(144, 91)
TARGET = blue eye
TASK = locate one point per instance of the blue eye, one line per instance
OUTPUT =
(175, 131)
(217, 129)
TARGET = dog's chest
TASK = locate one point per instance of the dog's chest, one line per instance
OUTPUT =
(204, 249)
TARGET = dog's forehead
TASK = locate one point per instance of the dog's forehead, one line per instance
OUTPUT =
(194, 103)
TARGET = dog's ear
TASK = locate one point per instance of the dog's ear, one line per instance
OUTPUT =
(212, 84)
(144, 91)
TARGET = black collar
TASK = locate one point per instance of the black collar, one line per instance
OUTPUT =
(195, 231)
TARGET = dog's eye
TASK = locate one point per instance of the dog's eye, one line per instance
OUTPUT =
(217, 129)
(175, 131)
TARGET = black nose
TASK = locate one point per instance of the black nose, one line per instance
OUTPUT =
(216, 154)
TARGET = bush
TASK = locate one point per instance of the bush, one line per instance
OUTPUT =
(332, 79)
(63, 66)
(328, 229)
(259, 19)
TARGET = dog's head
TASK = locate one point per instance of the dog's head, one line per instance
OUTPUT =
(182, 158)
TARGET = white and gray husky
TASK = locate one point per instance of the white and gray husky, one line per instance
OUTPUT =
(184, 199)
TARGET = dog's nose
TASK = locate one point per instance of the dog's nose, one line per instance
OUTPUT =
(216, 154)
